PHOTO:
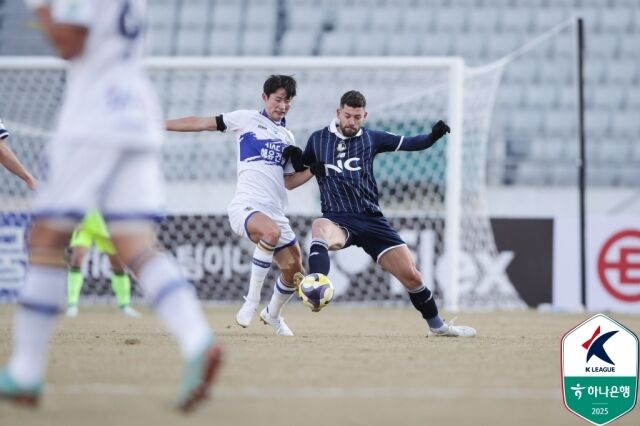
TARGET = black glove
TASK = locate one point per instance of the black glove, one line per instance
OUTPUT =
(291, 151)
(294, 154)
(318, 169)
(439, 130)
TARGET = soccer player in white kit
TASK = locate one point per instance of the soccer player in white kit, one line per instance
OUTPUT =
(257, 209)
(105, 154)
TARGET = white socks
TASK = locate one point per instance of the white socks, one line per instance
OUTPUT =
(260, 266)
(174, 300)
(41, 299)
(281, 295)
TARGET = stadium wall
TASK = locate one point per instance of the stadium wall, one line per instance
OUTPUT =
(536, 264)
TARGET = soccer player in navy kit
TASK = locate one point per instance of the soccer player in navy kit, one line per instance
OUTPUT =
(341, 157)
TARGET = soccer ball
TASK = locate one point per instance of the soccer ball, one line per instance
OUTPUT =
(316, 291)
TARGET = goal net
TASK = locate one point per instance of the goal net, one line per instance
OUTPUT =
(435, 198)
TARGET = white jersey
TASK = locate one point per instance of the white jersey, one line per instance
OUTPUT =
(260, 167)
(108, 96)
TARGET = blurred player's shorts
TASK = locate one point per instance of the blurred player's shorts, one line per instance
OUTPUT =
(121, 182)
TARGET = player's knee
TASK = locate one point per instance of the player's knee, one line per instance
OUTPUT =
(320, 229)
(47, 246)
(271, 235)
(412, 279)
(287, 276)
(76, 258)
(136, 259)
(293, 269)
(287, 272)
(118, 270)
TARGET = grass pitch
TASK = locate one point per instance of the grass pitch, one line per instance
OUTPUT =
(345, 366)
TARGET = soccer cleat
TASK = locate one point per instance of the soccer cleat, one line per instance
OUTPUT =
(128, 311)
(199, 375)
(277, 323)
(451, 330)
(297, 278)
(11, 391)
(246, 313)
(72, 311)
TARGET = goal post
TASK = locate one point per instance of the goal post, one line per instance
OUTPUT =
(437, 197)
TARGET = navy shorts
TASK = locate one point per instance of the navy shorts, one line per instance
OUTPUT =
(372, 232)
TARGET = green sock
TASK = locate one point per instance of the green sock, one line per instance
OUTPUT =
(75, 279)
(121, 286)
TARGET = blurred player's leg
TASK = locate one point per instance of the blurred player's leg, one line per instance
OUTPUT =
(174, 301)
(266, 232)
(134, 199)
(400, 264)
(41, 300)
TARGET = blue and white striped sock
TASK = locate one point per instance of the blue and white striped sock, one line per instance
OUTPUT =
(281, 295)
(175, 303)
(41, 300)
(260, 265)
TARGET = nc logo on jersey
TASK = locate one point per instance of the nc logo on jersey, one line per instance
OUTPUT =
(341, 165)
(600, 370)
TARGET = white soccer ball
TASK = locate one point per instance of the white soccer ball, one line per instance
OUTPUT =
(316, 291)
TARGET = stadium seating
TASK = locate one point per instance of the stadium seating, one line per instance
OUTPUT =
(537, 90)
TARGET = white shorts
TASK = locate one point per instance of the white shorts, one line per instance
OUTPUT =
(239, 214)
(123, 183)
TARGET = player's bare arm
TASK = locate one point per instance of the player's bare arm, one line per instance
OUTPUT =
(297, 179)
(68, 40)
(192, 124)
(302, 176)
(9, 160)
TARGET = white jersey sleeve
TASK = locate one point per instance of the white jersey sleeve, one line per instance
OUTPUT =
(288, 167)
(237, 120)
(74, 12)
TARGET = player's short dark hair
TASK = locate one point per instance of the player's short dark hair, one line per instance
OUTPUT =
(278, 81)
(354, 99)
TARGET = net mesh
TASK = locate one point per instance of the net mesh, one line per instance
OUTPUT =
(200, 169)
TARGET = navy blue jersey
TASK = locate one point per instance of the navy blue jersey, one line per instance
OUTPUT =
(349, 186)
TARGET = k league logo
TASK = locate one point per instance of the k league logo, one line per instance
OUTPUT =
(595, 346)
(600, 370)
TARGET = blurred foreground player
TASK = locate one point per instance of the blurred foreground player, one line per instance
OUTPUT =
(105, 154)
